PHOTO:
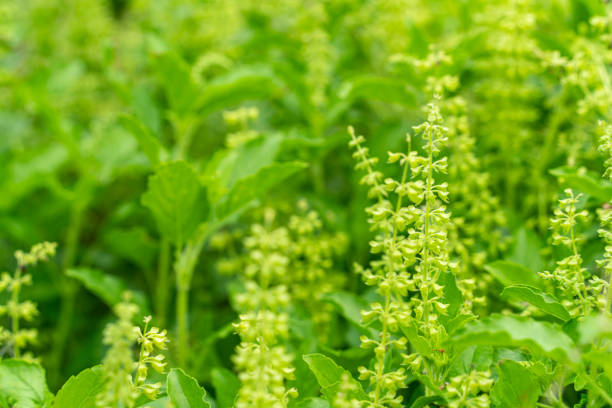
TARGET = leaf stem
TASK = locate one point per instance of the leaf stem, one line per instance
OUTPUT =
(68, 288)
(162, 288)
(182, 310)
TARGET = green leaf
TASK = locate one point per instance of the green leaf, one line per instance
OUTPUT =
(23, 383)
(420, 343)
(163, 402)
(247, 159)
(146, 109)
(592, 329)
(133, 244)
(349, 305)
(587, 183)
(477, 358)
(148, 143)
(181, 90)
(513, 331)
(516, 386)
(537, 298)
(177, 200)
(384, 89)
(109, 288)
(226, 386)
(452, 295)
(184, 391)
(248, 189)
(329, 375)
(526, 249)
(245, 84)
(510, 273)
(425, 401)
(81, 391)
(35, 163)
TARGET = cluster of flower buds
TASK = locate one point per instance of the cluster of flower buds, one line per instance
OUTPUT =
(570, 278)
(239, 120)
(118, 364)
(262, 362)
(345, 396)
(126, 379)
(16, 337)
(151, 340)
(411, 238)
(469, 390)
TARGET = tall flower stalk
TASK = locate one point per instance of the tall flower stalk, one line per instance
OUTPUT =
(15, 337)
(126, 377)
(411, 238)
(570, 279)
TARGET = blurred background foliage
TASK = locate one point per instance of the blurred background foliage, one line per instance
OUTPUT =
(95, 94)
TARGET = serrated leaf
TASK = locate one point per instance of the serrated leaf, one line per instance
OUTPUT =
(109, 288)
(184, 391)
(516, 386)
(81, 391)
(537, 298)
(452, 295)
(513, 331)
(510, 273)
(226, 386)
(149, 144)
(248, 189)
(177, 200)
(420, 343)
(590, 184)
(24, 383)
(329, 376)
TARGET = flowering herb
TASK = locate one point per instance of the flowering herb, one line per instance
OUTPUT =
(192, 155)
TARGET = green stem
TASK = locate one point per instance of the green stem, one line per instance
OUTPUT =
(162, 287)
(583, 298)
(609, 296)
(182, 310)
(384, 333)
(15, 316)
(428, 187)
(186, 257)
(67, 287)
(142, 352)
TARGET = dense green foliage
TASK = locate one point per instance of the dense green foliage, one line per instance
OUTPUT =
(305, 203)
